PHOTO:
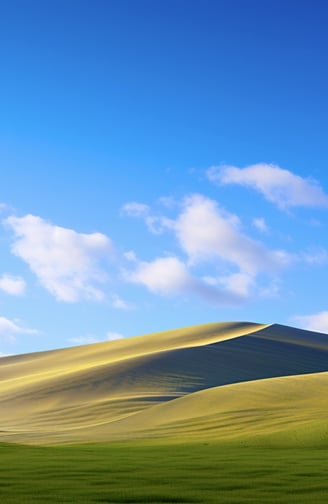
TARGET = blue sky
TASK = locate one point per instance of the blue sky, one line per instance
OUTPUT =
(163, 164)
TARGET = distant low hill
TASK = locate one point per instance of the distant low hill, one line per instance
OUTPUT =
(225, 381)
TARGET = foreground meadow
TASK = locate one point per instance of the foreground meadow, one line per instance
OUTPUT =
(158, 473)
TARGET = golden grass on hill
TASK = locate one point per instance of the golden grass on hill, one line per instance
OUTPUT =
(218, 381)
(289, 410)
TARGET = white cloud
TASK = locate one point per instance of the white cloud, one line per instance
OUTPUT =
(169, 276)
(260, 224)
(9, 329)
(13, 285)
(164, 275)
(135, 209)
(316, 322)
(66, 262)
(130, 256)
(84, 340)
(119, 303)
(206, 232)
(236, 283)
(281, 187)
(113, 336)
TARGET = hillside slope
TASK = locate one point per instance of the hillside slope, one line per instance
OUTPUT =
(286, 410)
(119, 389)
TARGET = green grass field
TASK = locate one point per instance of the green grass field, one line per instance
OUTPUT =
(171, 473)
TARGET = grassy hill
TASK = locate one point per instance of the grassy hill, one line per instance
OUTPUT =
(234, 413)
(228, 381)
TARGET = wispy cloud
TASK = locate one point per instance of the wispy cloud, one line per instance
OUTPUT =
(315, 322)
(119, 303)
(260, 224)
(135, 209)
(12, 285)
(10, 328)
(83, 340)
(281, 187)
(315, 257)
(65, 262)
(113, 336)
(6, 209)
(89, 338)
(155, 223)
(167, 201)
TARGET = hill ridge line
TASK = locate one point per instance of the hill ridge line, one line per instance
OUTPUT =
(45, 353)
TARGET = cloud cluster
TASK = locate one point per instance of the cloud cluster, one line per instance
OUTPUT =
(279, 186)
(169, 276)
(208, 235)
(213, 256)
(65, 262)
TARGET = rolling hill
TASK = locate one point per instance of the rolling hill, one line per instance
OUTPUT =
(224, 381)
